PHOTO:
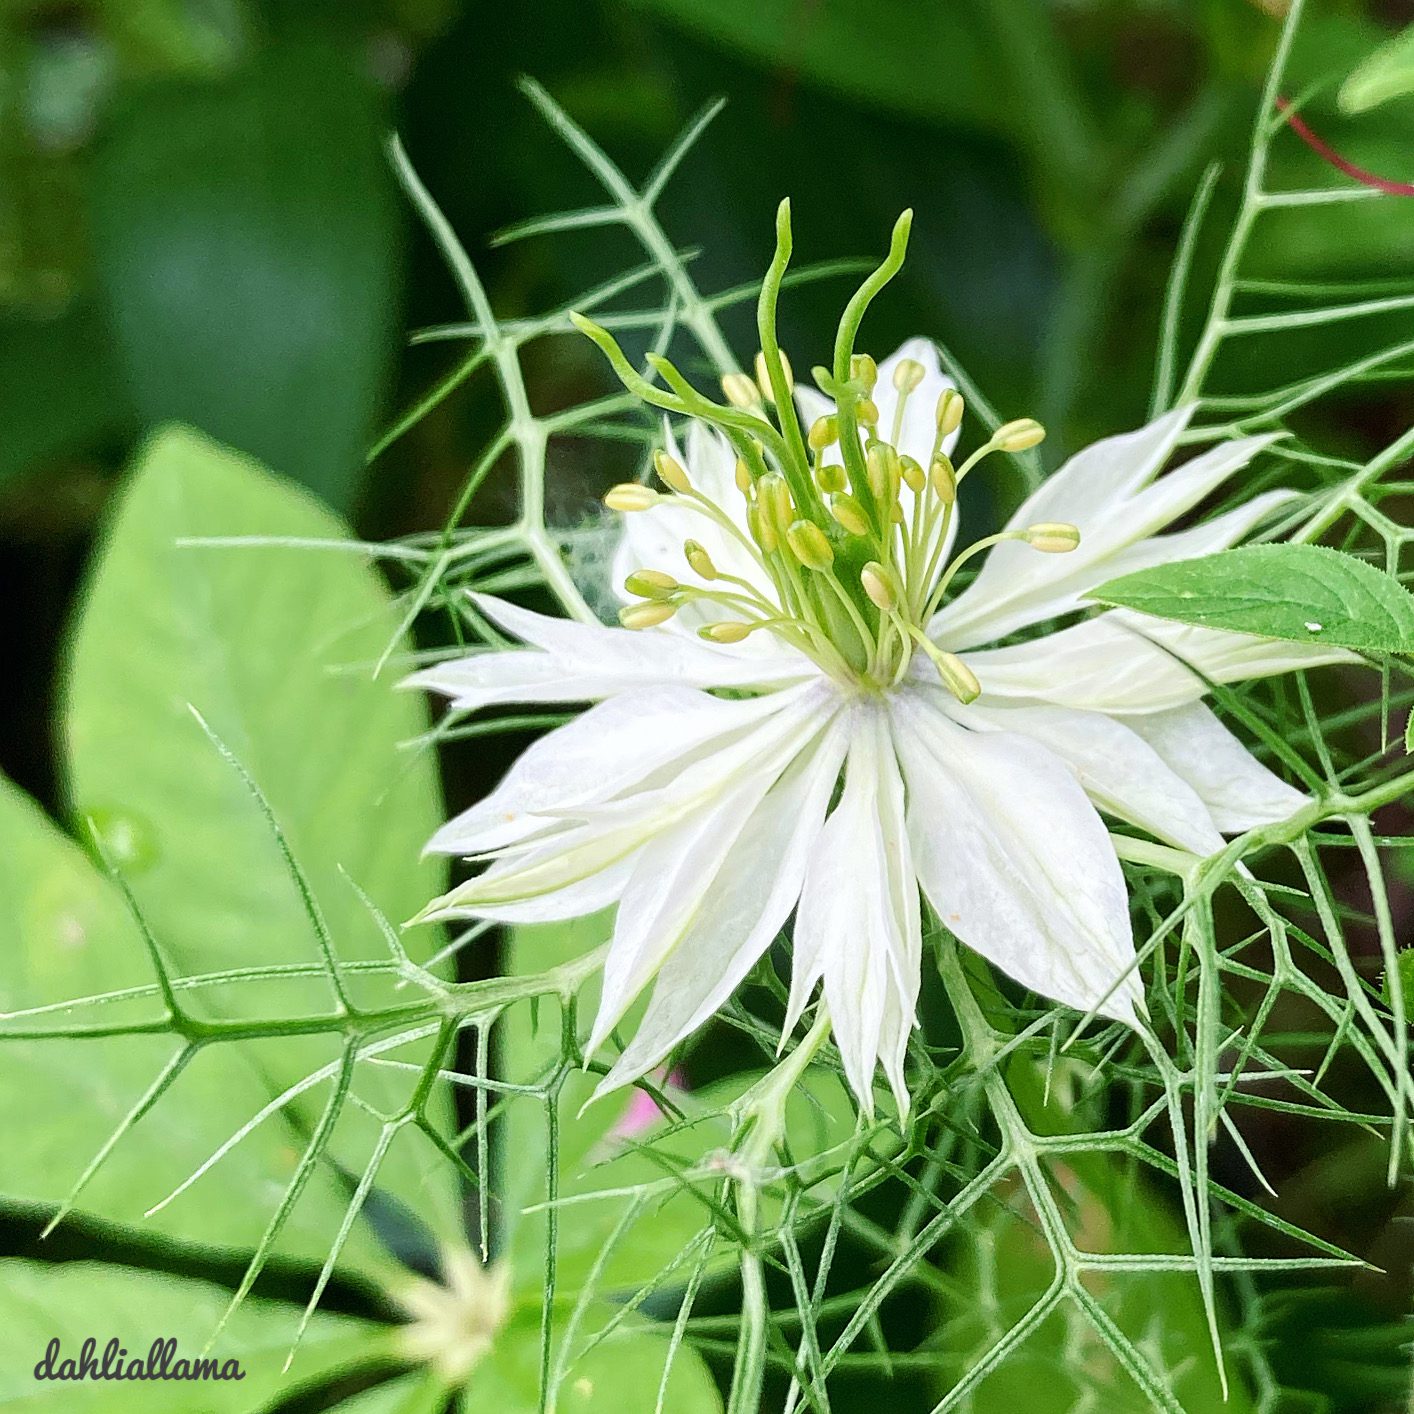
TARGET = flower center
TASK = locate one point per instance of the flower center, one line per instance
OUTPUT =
(850, 534)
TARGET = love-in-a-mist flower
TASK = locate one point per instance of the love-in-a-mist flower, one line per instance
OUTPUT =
(796, 717)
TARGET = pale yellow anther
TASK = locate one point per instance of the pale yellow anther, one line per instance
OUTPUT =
(849, 513)
(699, 561)
(864, 371)
(630, 496)
(824, 432)
(762, 531)
(763, 375)
(727, 631)
(943, 478)
(878, 585)
(651, 584)
(647, 615)
(671, 472)
(809, 545)
(913, 474)
(1018, 436)
(949, 413)
(867, 412)
(1052, 537)
(831, 478)
(876, 467)
(957, 677)
(908, 374)
(743, 476)
(773, 496)
(741, 391)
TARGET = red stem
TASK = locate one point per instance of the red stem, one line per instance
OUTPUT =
(1327, 153)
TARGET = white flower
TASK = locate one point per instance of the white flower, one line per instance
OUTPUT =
(799, 729)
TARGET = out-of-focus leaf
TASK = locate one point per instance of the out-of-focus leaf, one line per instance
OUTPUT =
(245, 233)
(1402, 979)
(1299, 593)
(1388, 73)
(71, 1301)
(932, 61)
(274, 646)
(620, 1374)
(67, 934)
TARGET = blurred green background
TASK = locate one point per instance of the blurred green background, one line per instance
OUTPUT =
(197, 222)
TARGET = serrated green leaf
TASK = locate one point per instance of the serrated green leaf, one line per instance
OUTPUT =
(1388, 73)
(1297, 593)
(71, 1301)
(273, 645)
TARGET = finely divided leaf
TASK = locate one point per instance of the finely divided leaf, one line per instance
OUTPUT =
(1297, 593)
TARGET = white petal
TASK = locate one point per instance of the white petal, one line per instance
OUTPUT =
(576, 898)
(1016, 861)
(605, 750)
(741, 914)
(1239, 791)
(1017, 586)
(583, 662)
(1124, 662)
(857, 928)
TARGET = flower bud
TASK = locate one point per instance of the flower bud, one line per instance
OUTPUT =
(699, 561)
(944, 480)
(908, 374)
(824, 432)
(877, 585)
(1018, 436)
(647, 615)
(1051, 537)
(763, 375)
(650, 584)
(912, 474)
(809, 545)
(864, 371)
(849, 513)
(957, 677)
(831, 478)
(727, 631)
(671, 472)
(866, 412)
(740, 391)
(630, 496)
(743, 476)
(949, 414)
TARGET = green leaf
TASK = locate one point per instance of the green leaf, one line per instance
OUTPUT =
(245, 233)
(273, 645)
(1402, 978)
(74, 1300)
(1298, 593)
(622, 1373)
(1388, 73)
(68, 934)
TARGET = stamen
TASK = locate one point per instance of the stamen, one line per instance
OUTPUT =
(809, 545)
(949, 413)
(908, 375)
(824, 432)
(699, 561)
(849, 513)
(763, 375)
(743, 476)
(944, 479)
(864, 371)
(1052, 537)
(878, 585)
(740, 391)
(1018, 436)
(831, 478)
(866, 412)
(647, 615)
(671, 472)
(630, 496)
(912, 474)
(726, 631)
(651, 584)
(773, 497)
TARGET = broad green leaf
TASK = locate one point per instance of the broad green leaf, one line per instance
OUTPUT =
(1388, 73)
(245, 233)
(68, 934)
(273, 645)
(73, 1300)
(1402, 978)
(621, 1374)
(1299, 593)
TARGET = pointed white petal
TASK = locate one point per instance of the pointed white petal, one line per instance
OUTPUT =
(1116, 767)
(741, 914)
(1016, 861)
(857, 928)
(609, 748)
(577, 898)
(1123, 662)
(1239, 791)
(713, 802)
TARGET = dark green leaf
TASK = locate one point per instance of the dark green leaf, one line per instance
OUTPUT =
(1298, 593)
